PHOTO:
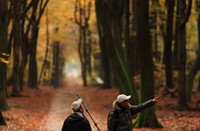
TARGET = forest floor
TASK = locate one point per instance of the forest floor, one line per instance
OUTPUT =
(46, 109)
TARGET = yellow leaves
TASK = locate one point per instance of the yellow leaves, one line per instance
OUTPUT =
(2, 60)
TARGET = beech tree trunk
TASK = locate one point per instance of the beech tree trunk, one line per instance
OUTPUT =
(168, 44)
(183, 18)
(16, 46)
(113, 44)
(146, 118)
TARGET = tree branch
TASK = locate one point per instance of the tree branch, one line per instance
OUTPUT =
(187, 14)
(26, 10)
(42, 8)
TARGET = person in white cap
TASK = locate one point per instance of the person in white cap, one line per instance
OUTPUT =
(120, 117)
(76, 121)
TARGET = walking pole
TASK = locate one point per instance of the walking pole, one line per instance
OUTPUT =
(89, 114)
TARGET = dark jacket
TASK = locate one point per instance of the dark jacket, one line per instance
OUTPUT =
(76, 122)
(121, 119)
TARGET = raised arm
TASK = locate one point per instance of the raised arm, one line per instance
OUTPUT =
(143, 106)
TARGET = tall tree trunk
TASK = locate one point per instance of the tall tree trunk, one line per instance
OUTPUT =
(116, 13)
(127, 39)
(126, 84)
(89, 52)
(192, 73)
(23, 64)
(79, 21)
(32, 79)
(38, 7)
(183, 18)
(3, 52)
(25, 30)
(33, 74)
(105, 61)
(153, 26)
(146, 118)
(134, 45)
(168, 44)
(45, 63)
(80, 46)
(16, 48)
(56, 62)
(84, 56)
(176, 46)
(82, 16)
(190, 77)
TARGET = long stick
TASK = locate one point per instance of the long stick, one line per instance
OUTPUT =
(89, 114)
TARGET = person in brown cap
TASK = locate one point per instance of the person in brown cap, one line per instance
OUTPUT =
(76, 121)
(120, 117)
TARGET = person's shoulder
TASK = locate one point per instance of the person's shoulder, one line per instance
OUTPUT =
(113, 112)
(70, 116)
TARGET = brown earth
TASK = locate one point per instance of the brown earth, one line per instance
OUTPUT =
(46, 109)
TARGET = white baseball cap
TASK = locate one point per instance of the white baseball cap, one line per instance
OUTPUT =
(122, 98)
(76, 104)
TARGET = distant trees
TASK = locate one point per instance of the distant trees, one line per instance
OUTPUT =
(21, 22)
(82, 15)
(38, 7)
(58, 63)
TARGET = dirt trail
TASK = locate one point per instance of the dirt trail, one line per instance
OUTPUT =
(59, 109)
(60, 106)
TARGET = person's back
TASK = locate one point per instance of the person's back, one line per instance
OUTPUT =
(119, 119)
(76, 122)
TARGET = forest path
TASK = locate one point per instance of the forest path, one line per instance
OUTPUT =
(60, 106)
(59, 109)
